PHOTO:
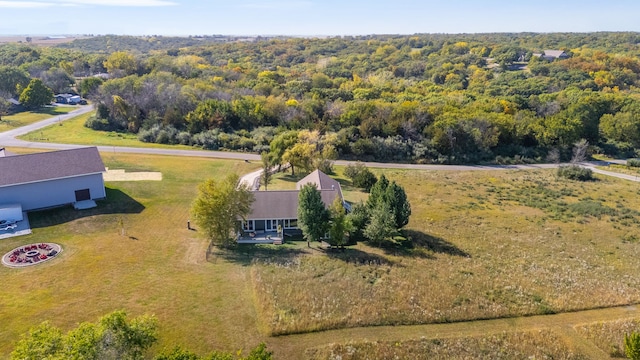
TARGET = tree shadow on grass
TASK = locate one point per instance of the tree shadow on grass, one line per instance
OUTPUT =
(117, 202)
(419, 240)
(358, 257)
(248, 254)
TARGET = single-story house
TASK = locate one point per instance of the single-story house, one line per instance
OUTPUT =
(68, 99)
(280, 207)
(51, 179)
(14, 105)
(551, 55)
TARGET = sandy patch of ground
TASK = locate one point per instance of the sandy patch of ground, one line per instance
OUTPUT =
(121, 175)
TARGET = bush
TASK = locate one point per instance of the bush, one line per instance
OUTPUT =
(632, 346)
(633, 162)
(360, 176)
(575, 172)
(96, 123)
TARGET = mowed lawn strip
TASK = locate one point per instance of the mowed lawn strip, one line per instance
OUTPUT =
(158, 266)
(73, 131)
(13, 121)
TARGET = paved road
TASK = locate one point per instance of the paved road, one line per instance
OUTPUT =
(8, 138)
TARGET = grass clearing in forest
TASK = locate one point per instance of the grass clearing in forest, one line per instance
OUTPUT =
(20, 119)
(486, 245)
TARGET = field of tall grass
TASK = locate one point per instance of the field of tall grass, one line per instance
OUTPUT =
(541, 344)
(485, 245)
(609, 336)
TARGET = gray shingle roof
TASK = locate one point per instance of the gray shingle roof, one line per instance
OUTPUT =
(282, 204)
(38, 167)
(320, 179)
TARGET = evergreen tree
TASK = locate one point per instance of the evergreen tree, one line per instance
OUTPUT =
(313, 217)
(339, 225)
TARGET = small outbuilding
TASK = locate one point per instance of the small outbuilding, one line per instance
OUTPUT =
(51, 179)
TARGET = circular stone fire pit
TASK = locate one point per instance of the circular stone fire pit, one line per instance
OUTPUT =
(31, 254)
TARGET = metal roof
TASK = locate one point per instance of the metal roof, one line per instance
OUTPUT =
(30, 168)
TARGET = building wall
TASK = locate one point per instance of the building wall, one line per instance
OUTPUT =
(52, 193)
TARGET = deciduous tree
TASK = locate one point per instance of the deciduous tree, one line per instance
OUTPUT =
(35, 95)
(267, 165)
(112, 337)
(220, 206)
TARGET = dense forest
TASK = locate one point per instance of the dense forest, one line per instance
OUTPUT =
(419, 98)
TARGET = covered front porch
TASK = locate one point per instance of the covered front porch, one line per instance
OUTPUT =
(267, 231)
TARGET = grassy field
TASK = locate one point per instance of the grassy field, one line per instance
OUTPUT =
(623, 169)
(159, 267)
(487, 245)
(73, 131)
(541, 344)
(609, 336)
(29, 117)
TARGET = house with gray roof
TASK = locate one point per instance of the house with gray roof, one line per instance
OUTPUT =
(280, 207)
(50, 179)
(551, 55)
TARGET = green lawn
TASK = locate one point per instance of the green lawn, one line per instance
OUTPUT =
(28, 117)
(486, 245)
(159, 267)
(73, 131)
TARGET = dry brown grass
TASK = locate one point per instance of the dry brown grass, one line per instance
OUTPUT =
(489, 245)
(609, 336)
(542, 344)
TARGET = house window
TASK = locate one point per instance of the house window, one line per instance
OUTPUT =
(83, 194)
(293, 223)
(272, 225)
(248, 225)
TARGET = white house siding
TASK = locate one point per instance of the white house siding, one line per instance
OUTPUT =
(52, 193)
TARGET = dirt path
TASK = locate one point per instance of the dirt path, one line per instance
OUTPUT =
(294, 346)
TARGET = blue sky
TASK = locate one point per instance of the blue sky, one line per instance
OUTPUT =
(313, 17)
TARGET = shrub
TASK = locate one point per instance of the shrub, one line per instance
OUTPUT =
(360, 176)
(575, 172)
(632, 346)
(96, 123)
(633, 162)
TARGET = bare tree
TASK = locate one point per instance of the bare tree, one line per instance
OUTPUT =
(580, 151)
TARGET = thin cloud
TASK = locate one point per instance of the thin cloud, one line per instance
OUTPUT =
(277, 5)
(24, 4)
(129, 3)
(43, 4)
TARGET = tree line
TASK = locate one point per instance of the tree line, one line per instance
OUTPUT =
(421, 98)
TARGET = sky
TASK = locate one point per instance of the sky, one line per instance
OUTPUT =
(313, 17)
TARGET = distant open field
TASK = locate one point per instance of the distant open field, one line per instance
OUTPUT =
(42, 40)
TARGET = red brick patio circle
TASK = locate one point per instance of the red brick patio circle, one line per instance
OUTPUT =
(32, 254)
